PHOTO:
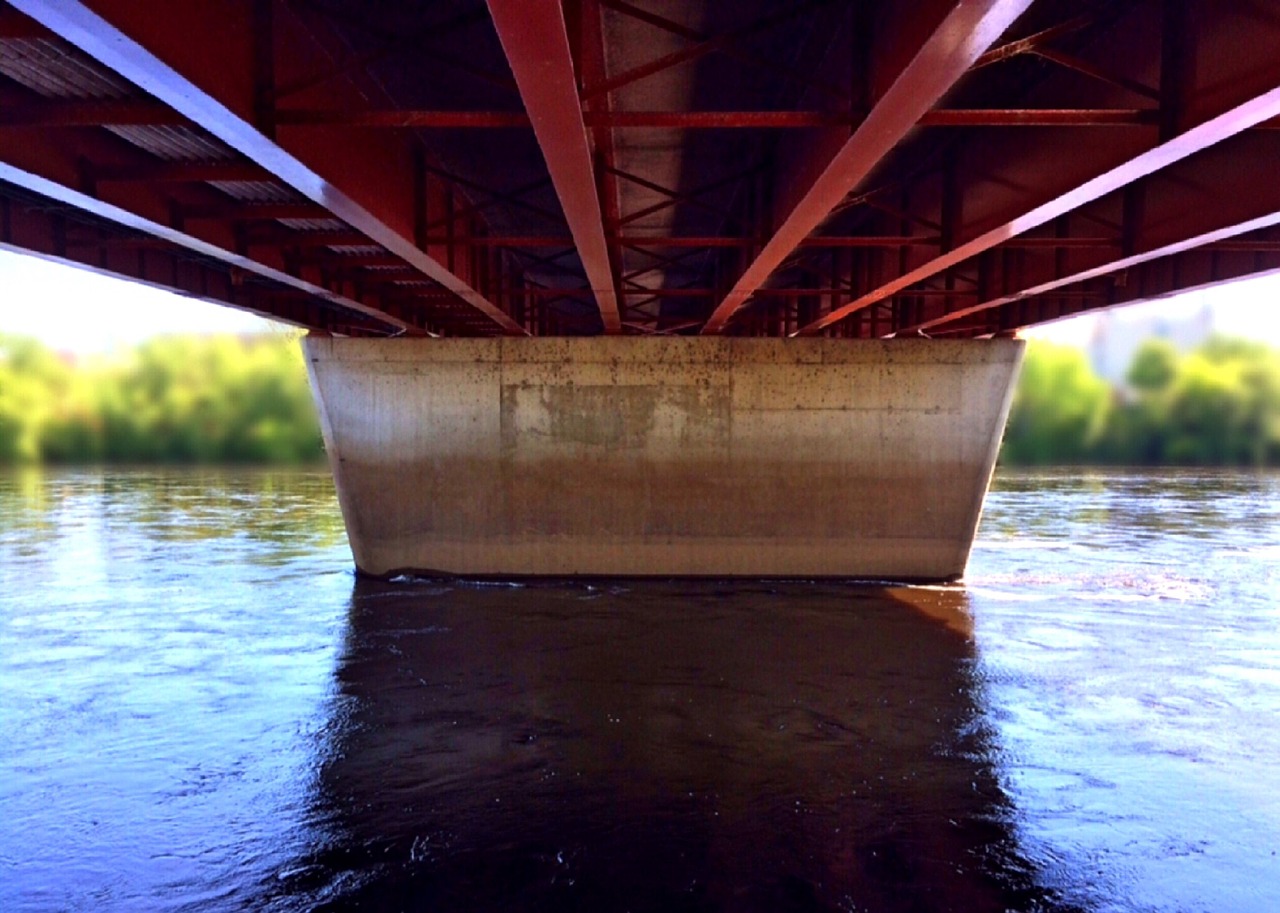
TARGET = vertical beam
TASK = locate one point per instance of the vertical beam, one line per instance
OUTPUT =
(966, 32)
(535, 39)
(264, 67)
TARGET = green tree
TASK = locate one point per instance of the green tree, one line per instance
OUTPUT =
(1154, 366)
(1060, 408)
(175, 399)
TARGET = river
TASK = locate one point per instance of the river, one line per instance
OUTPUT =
(203, 710)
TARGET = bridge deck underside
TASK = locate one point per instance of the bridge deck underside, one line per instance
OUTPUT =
(576, 167)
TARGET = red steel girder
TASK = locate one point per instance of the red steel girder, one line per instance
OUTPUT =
(701, 49)
(1030, 43)
(181, 172)
(592, 66)
(1185, 271)
(88, 114)
(535, 39)
(405, 119)
(1227, 124)
(401, 44)
(968, 30)
(126, 219)
(1207, 239)
(43, 228)
(729, 49)
(109, 32)
(1215, 203)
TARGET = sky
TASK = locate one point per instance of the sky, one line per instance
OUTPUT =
(75, 310)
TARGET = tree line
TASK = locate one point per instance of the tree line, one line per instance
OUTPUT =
(180, 399)
(1218, 405)
(227, 399)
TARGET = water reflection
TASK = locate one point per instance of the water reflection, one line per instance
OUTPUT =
(673, 747)
(201, 714)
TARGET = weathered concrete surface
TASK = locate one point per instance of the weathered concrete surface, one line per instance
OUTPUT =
(641, 456)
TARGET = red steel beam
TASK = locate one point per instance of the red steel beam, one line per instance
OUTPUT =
(181, 173)
(535, 38)
(968, 30)
(88, 114)
(1032, 42)
(592, 66)
(96, 34)
(1239, 118)
(682, 120)
(1190, 270)
(699, 50)
(752, 60)
(1115, 266)
(1216, 204)
(123, 217)
(39, 229)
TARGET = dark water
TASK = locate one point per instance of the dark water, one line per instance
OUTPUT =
(204, 711)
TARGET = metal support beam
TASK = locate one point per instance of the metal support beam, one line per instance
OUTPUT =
(417, 119)
(1231, 122)
(126, 219)
(536, 41)
(1214, 204)
(967, 31)
(1115, 266)
(94, 33)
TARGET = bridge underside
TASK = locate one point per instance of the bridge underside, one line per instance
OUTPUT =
(540, 167)
(650, 168)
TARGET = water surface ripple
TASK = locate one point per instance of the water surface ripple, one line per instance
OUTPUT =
(203, 710)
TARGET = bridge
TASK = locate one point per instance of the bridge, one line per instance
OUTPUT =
(646, 286)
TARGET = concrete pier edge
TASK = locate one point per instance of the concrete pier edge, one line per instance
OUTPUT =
(662, 457)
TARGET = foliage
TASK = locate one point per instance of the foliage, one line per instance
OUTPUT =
(1216, 406)
(172, 399)
(1060, 408)
(230, 399)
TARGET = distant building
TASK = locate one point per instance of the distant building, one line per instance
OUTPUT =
(1118, 333)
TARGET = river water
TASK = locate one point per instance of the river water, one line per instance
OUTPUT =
(203, 710)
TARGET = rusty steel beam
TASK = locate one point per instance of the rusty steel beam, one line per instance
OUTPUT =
(181, 172)
(276, 236)
(1208, 239)
(1227, 124)
(535, 39)
(698, 50)
(401, 44)
(1032, 42)
(404, 119)
(254, 212)
(592, 66)
(1096, 72)
(728, 49)
(124, 218)
(1213, 205)
(14, 25)
(88, 114)
(1186, 271)
(107, 33)
(720, 120)
(967, 31)
(39, 230)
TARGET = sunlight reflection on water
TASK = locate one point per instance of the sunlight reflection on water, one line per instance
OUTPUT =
(204, 711)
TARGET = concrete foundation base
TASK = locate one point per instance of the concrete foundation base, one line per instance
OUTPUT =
(671, 457)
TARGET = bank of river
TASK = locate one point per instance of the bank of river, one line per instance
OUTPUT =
(204, 711)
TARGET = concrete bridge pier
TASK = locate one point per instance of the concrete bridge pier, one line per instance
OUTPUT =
(663, 456)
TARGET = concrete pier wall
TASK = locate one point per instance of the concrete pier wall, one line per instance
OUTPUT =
(663, 456)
